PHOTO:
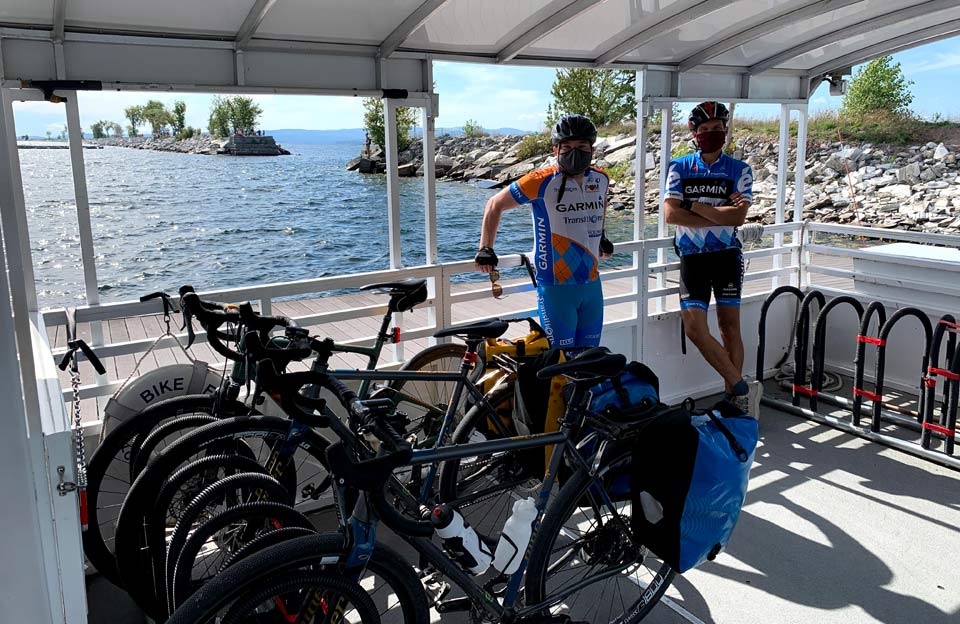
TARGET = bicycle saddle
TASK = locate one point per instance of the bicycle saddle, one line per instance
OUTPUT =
(404, 294)
(592, 363)
(483, 329)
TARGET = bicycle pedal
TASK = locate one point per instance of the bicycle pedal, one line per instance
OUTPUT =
(454, 604)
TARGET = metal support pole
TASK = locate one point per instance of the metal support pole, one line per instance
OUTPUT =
(393, 201)
(437, 315)
(798, 182)
(87, 254)
(782, 155)
(639, 215)
(393, 181)
(666, 129)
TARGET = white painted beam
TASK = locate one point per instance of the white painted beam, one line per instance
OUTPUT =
(416, 19)
(561, 12)
(893, 45)
(887, 19)
(59, 14)
(768, 26)
(252, 22)
(681, 16)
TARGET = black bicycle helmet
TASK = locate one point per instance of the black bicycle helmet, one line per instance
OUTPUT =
(572, 128)
(707, 111)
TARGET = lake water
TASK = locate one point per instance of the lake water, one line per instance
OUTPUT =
(161, 220)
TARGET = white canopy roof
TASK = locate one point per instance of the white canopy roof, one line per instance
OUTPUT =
(371, 44)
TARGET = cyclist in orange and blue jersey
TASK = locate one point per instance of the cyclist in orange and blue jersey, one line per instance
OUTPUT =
(569, 203)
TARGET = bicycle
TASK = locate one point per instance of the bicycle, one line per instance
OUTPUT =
(582, 505)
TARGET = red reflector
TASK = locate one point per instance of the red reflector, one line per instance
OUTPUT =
(943, 373)
(470, 357)
(930, 382)
(868, 395)
(83, 510)
(872, 340)
(805, 390)
(396, 335)
(939, 429)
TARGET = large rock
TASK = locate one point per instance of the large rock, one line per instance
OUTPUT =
(897, 190)
(941, 152)
(621, 155)
(909, 174)
(407, 170)
(487, 159)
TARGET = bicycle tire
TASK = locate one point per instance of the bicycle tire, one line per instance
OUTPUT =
(249, 482)
(105, 471)
(131, 559)
(324, 551)
(258, 593)
(262, 542)
(572, 496)
(159, 519)
(147, 447)
(181, 584)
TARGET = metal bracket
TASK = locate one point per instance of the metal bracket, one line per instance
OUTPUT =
(64, 487)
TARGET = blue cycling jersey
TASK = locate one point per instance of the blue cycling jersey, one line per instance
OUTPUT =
(689, 178)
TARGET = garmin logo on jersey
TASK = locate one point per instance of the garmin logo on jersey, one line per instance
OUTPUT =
(594, 205)
(541, 244)
(705, 189)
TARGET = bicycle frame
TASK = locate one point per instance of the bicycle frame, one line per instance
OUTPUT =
(362, 523)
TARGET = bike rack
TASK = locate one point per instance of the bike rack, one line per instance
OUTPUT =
(951, 388)
(881, 356)
(859, 362)
(820, 340)
(802, 340)
(761, 343)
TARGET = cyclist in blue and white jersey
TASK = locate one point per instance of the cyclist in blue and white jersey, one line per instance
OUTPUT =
(707, 196)
(569, 203)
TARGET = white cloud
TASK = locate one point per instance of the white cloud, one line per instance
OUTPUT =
(937, 62)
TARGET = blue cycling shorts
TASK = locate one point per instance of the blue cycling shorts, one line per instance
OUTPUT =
(571, 314)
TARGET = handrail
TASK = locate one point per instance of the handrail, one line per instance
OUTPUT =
(949, 240)
(881, 357)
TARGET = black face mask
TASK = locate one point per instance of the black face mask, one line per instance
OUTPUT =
(575, 161)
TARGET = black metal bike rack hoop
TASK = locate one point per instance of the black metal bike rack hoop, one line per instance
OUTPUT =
(885, 330)
(820, 342)
(761, 343)
(860, 362)
(951, 374)
(802, 344)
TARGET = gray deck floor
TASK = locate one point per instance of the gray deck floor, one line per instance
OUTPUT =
(835, 529)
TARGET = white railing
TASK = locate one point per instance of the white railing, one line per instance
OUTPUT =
(798, 269)
(439, 304)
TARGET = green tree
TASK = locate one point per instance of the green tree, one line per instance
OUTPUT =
(227, 115)
(98, 129)
(157, 115)
(115, 128)
(134, 115)
(878, 86)
(49, 135)
(373, 123)
(606, 96)
(179, 117)
(473, 129)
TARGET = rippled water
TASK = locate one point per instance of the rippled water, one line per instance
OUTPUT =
(161, 220)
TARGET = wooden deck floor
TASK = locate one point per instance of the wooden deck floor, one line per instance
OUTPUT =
(144, 327)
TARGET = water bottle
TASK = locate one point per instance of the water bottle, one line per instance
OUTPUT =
(515, 537)
(460, 540)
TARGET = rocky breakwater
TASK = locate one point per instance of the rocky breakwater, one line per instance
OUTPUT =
(233, 146)
(907, 187)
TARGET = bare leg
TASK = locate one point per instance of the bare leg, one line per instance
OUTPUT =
(728, 317)
(695, 324)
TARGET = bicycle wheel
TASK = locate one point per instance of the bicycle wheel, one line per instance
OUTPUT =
(293, 597)
(108, 473)
(225, 494)
(262, 542)
(161, 437)
(388, 579)
(212, 542)
(176, 494)
(413, 396)
(580, 539)
(255, 436)
(484, 488)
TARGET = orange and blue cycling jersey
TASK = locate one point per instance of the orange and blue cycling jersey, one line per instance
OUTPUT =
(567, 225)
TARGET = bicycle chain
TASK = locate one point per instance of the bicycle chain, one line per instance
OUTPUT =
(81, 454)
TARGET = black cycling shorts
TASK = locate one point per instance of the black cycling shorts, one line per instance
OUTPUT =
(720, 272)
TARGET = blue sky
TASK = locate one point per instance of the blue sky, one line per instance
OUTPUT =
(495, 96)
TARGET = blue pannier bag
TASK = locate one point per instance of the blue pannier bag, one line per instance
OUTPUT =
(689, 479)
